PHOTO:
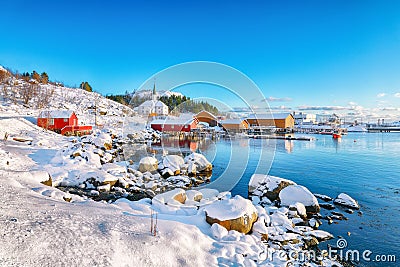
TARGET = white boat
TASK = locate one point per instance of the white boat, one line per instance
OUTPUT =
(356, 128)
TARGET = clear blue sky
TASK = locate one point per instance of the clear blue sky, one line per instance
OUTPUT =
(317, 53)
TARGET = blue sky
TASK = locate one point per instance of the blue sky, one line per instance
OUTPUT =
(311, 55)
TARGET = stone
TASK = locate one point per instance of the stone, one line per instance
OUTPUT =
(175, 194)
(269, 186)
(237, 214)
(310, 241)
(148, 164)
(298, 193)
(346, 201)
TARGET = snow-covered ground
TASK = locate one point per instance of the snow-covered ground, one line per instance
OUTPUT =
(41, 225)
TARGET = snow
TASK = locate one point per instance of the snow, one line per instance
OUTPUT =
(38, 227)
(173, 162)
(198, 160)
(300, 208)
(345, 200)
(149, 161)
(59, 114)
(218, 231)
(270, 182)
(292, 194)
(230, 209)
(320, 235)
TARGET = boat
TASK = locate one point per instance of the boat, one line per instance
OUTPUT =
(356, 128)
(337, 134)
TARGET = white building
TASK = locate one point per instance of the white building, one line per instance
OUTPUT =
(304, 118)
(153, 107)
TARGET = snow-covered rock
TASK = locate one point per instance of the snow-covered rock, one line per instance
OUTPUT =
(234, 214)
(267, 186)
(149, 164)
(194, 195)
(292, 194)
(320, 235)
(346, 201)
(173, 163)
(198, 163)
(299, 208)
(41, 177)
(178, 195)
(103, 140)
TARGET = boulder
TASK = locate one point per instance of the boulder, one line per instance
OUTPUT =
(200, 162)
(194, 195)
(174, 163)
(267, 185)
(103, 140)
(292, 194)
(177, 194)
(148, 164)
(346, 201)
(234, 214)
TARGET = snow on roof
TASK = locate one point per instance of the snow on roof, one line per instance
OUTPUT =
(268, 116)
(60, 114)
(232, 121)
(152, 103)
(208, 113)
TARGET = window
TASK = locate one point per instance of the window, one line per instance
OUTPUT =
(51, 121)
(65, 120)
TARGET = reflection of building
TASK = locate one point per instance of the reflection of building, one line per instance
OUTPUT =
(235, 125)
(174, 125)
(304, 118)
(205, 116)
(278, 120)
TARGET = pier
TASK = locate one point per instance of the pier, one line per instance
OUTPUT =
(383, 129)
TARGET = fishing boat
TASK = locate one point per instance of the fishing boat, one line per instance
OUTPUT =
(337, 134)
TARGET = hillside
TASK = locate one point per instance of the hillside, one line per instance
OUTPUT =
(27, 98)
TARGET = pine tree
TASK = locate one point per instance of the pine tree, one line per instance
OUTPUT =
(44, 78)
(35, 76)
(86, 86)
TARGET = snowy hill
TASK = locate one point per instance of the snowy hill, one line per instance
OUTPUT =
(15, 101)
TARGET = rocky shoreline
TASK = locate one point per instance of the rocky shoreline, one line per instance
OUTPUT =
(284, 217)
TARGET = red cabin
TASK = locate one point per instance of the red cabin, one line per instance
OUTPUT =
(62, 121)
(178, 125)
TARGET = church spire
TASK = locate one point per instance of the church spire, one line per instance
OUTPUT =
(154, 90)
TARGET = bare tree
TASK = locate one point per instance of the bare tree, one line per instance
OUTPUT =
(26, 92)
(45, 94)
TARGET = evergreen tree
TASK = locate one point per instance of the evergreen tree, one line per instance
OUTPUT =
(44, 78)
(35, 76)
(86, 86)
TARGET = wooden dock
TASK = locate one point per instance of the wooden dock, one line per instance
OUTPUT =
(383, 129)
(281, 137)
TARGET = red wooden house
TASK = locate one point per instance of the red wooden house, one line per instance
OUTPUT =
(64, 122)
(174, 125)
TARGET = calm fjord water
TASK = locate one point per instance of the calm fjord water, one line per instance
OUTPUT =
(363, 165)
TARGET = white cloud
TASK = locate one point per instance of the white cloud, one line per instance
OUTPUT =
(277, 99)
(397, 95)
(321, 108)
(380, 95)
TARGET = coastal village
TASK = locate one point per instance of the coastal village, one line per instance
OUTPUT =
(56, 154)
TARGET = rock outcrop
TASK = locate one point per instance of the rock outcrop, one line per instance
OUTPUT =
(234, 214)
